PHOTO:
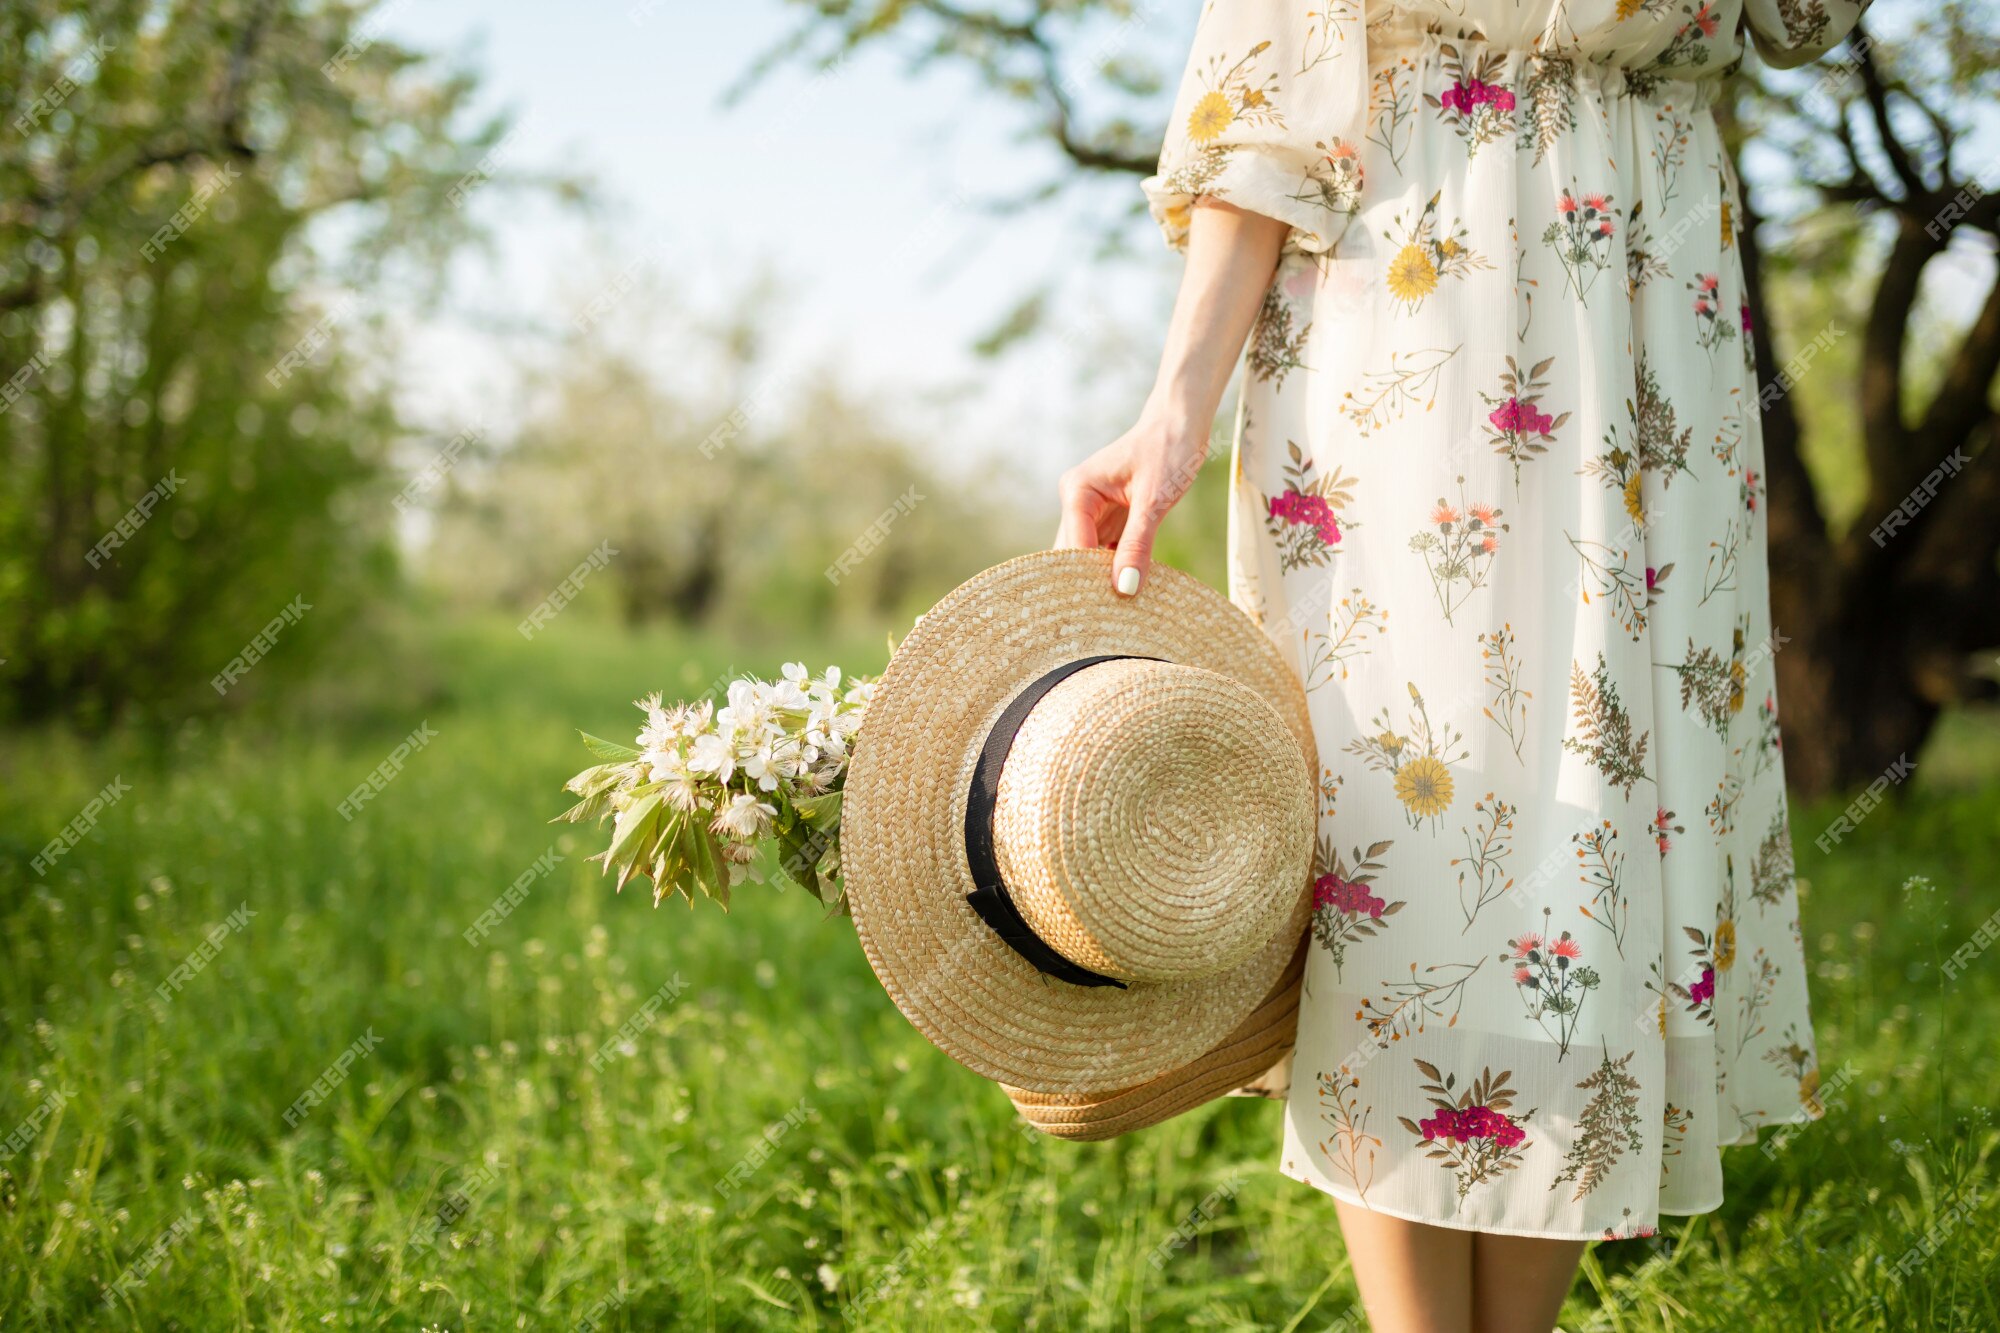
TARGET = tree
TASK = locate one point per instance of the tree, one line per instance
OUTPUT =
(740, 497)
(1880, 635)
(191, 444)
(1890, 612)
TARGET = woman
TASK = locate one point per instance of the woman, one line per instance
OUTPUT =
(1497, 492)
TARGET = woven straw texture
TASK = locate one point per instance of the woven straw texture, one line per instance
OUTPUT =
(1133, 817)
(1258, 1043)
(902, 841)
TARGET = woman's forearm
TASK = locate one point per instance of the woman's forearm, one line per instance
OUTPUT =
(1231, 255)
(1118, 495)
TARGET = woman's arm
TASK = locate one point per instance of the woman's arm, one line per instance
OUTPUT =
(1118, 495)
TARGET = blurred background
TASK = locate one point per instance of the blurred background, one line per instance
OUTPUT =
(389, 390)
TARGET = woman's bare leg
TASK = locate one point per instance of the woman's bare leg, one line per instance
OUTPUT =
(1518, 1282)
(1414, 1278)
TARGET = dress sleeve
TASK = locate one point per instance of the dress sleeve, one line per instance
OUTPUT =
(1790, 33)
(1270, 116)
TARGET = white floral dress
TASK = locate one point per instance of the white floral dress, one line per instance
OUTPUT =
(1499, 495)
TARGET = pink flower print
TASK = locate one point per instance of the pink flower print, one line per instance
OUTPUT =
(1346, 911)
(1702, 991)
(1518, 418)
(1705, 20)
(1551, 981)
(1486, 514)
(1598, 203)
(1472, 1122)
(1566, 204)
(1662, 824)
(1312, 511)
(1467, 95)
(1444, 515)
(1745, 311)
(1489, 544)
(1346, 896)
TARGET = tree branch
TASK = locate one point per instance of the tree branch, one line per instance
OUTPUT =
(1875, 91)
(1962, 397)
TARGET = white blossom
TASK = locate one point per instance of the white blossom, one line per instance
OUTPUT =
(745, 817)
(736, 767)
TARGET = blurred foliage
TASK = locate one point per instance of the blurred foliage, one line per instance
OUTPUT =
(743, 502)
(166, 328)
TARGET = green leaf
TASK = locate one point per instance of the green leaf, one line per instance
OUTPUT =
(670, 859)
(590, 808)
(822, 812)
(795, 859)
(710, 872)
(591, 779)
(638, 828)
(604, 749)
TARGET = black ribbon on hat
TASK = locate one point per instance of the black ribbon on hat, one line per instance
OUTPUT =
(990, 897)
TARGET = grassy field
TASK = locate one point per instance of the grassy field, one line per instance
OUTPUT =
(528, 1131)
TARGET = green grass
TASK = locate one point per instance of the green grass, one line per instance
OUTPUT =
(905, 1176)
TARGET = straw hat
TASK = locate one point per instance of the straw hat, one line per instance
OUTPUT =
(1078, 827)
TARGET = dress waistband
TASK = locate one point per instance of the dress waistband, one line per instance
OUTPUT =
(1406, 34)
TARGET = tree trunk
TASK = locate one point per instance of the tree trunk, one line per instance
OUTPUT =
(1877, 627)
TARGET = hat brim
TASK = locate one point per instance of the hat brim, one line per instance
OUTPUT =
(1240, 1059)
(902, 846)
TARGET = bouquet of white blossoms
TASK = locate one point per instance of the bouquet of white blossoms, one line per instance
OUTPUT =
(693, 804)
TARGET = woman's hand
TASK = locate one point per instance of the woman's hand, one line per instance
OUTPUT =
(1118, 495)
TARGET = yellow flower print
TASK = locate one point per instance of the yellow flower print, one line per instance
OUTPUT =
(1728, 227)
(1738, 677)
(1424, 787)
(1724, 951)
(1661, 1015)
(1210, 117)
(1432, 248)
(1634, 500)
(1809, 1089)
(1418, 765)
(1627, 8)
(1412, 276)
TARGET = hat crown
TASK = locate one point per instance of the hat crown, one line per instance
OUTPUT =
(1146, 818)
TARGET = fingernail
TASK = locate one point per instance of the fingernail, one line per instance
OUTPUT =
(1128, 580)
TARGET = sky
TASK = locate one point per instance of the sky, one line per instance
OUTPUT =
(863, 197)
